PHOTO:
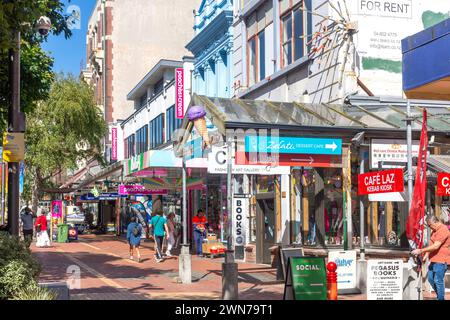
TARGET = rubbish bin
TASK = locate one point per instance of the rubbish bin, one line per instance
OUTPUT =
(63, 233)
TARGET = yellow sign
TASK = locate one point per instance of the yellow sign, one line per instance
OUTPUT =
(13, 146)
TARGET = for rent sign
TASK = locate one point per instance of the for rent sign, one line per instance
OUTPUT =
(381, 182)
(443, 185)
(179, 92)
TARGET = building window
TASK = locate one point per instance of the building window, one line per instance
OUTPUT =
(259, 43)
(157, 131)
(158, 87)
(130, 146)
(293, 31)
(142, 140)
(143, 101)
(172, 122)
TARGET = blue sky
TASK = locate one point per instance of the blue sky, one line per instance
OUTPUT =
(69, 54)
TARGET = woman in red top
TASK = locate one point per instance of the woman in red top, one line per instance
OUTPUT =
(41, 231)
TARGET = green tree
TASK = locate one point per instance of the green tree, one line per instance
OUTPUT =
(62, 131)
(36, 65)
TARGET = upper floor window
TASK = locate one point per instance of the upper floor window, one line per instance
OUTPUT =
(157, 131)
(293, 30)
(172, 122)
(259, 42)
(158, 87)
(142, 140)
(130, 146)
(143, 101)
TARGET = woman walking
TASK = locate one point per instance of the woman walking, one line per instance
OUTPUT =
(41, 230)
(159, 225)
(171, 231)
(134, 233)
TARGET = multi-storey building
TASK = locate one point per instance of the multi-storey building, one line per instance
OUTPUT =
(126, 38)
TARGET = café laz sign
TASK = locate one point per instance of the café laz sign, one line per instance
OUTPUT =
(381, 182)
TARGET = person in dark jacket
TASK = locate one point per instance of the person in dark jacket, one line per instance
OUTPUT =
(134, 233)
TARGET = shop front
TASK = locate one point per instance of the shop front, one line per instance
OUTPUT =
(315, 203)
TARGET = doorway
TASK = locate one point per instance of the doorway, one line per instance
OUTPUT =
(265, 221)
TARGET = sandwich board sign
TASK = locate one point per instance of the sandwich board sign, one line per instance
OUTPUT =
(284, 255)
(306, 279)
(346, 270)
(385, 279)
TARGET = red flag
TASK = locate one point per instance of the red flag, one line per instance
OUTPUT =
(415, 222)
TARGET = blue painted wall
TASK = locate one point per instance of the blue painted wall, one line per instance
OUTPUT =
(426, 56)
(212, 48)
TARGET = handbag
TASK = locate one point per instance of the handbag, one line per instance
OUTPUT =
(38, 228)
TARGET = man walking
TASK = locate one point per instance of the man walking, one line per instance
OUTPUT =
(27, 226)
(160, 230)
(439, 254)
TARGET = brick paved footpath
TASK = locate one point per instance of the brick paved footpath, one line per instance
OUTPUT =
(107, 273)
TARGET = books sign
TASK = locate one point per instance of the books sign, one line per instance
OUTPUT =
(384, 279)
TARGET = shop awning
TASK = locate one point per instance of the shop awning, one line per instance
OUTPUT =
(439, 163)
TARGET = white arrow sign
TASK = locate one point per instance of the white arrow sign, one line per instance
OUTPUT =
(332, 146)
(311, 160)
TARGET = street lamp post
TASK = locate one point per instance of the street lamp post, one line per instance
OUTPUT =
(185, 267)
(16, 123)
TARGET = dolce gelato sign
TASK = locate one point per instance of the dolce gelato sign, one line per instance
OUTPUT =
(140, 190)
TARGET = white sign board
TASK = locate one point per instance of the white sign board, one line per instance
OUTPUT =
(240, 214)
(217, 163)
(390, 150)
(385, 279)
(346, 271)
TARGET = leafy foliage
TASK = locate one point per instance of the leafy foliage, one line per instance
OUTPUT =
(34, 292)
(61, 131)
(18, 268)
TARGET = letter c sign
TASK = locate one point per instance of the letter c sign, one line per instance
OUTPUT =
(220, 157)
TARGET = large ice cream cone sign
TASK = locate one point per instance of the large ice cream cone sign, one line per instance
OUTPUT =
(197, 114)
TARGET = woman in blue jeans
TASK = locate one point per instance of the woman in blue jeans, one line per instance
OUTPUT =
(439, 254)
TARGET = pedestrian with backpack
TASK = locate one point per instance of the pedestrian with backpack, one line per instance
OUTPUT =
(134, 233)
(160, 230)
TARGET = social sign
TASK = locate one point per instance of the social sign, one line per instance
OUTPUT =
(443, 184)
(381, 182)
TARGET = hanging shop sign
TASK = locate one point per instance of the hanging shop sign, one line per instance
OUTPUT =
(114, 143)
(384, 279)
(110, 196)
(391, 151)
(140, 190)
(293, 145)
(217, 163)
(240, 215)
(13, 146)
(346, 268)
(443, 184)
(306, 279)
(381, 182)
(289, 160)
(179, 92)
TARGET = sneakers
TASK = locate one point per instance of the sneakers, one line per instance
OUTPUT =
(168, 254)
(159, 260)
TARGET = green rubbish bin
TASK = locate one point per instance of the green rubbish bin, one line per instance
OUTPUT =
(63, 233)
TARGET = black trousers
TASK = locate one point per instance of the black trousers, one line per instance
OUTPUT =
(28, 237)
(159, 243)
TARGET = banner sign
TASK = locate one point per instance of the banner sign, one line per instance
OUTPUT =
(240, 210)
(13, 146)
(57, 209)
(114, 143)
(443, 184)
(381, 182)
(293, 145)
(346, 268)
(140, 190)
(392, 151)
(384, 279)
(217, 163)
(179, 92)
(306, 279)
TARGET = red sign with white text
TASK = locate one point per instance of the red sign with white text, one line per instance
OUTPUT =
(179, 92)
(381, 182)
(443, 184)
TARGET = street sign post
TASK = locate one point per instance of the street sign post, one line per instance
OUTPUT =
(443, 184)
(381, 182)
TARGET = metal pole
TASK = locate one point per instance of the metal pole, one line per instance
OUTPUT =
(409, 152)
(184, 205)
(184, 264)
(229, 267)
(362, 253)
(14, 112)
